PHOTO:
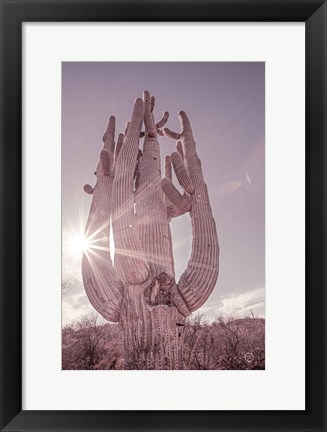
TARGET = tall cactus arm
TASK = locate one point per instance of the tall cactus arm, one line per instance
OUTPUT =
(118, 145)
(199, 279)
(179, 148)
(129, 260)
(181, 172)
(153, 225)
(102, 286)
(168, 170)
(169, 176)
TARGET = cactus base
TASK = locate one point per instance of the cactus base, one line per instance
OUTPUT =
(152, 334)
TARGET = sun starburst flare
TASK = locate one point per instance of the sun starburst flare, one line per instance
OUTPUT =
(79, 244)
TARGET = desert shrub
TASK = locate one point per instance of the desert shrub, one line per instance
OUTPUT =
(91, 344)
(225, 344)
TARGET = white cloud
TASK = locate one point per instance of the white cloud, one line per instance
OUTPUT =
(75, 305)
(237, 304)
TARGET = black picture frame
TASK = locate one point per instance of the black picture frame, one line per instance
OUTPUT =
(13, 14)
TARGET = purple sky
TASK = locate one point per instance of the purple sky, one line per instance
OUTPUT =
(226, 105)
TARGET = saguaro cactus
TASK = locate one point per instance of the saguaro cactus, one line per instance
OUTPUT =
(139, 290)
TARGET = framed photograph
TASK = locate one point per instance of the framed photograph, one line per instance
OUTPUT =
(163, 217)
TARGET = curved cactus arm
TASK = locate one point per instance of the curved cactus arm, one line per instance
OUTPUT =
(102, 286)
(129, 261)
(182, 203)
(163, 120)
(151, 210)
(172, 135)
(152, 128)
(199, 279)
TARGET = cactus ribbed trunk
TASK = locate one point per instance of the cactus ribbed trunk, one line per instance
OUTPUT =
(139, 291)
(152, 223)
(152, 335)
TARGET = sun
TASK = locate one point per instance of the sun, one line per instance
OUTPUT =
(78, 244)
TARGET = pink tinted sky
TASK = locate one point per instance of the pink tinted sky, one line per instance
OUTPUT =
(226, 105)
